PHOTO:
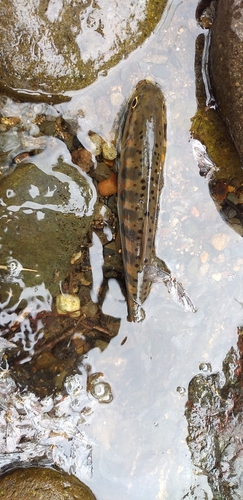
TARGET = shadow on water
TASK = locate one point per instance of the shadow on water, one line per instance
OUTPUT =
(80, 387)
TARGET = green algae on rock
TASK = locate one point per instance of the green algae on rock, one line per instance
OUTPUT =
(47, 51)
(37, 483)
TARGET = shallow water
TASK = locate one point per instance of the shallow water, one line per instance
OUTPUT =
(138, 441)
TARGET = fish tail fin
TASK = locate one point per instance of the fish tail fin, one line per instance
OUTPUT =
(135, 312)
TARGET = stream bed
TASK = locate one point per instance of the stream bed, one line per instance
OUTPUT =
(145, 410)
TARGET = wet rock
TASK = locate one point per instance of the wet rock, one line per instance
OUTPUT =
(108, 187)
(102, 172)
(67, 303)
(226, 66)
(214, 413)
(109, 151)
(47, 49)
(83, 159)
(41, 483)
(217, 156)
(42, 206)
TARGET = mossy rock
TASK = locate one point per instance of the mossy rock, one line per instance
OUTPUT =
(45, 216)
(47, 50)
(36, 483)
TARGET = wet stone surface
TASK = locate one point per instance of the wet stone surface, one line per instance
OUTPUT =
(214, 413)
(226, 66)
(65, 47)
(40, 483)
(222, 165)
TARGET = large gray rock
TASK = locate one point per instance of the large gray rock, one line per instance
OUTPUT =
(54, 46)
(226, 66)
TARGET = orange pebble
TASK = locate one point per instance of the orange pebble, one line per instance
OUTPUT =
(108, 186)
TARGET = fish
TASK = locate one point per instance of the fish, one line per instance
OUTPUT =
(142, 150)
(140, 181)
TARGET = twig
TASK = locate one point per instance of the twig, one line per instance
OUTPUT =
(48, 346)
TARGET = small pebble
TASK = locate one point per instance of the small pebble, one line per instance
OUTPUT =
(83, 159)
(68, 304)
(117, 99)
(75, 257)
(109, 151)
(216, 276)
(97, 141)
(20, 157)
(108, 187)
(204, 257)
(220, 241)
(195, 212)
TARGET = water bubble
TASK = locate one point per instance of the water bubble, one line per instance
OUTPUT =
(14, 268)
(181, 390)
(205, 367)
(102, 392)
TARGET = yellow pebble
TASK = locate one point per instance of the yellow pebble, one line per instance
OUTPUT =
(68, 304)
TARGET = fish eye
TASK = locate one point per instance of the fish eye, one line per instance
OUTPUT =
(135, 102)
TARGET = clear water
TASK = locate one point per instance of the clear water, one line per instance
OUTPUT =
(138, 441)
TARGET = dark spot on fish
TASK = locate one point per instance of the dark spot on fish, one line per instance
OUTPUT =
(127, 195)
(130, 257)
(130, 152)
(129, 214)
(128, 232)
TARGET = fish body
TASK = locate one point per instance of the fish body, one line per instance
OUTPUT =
(140, 180)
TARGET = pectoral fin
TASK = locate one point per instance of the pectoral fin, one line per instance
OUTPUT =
(174, 287)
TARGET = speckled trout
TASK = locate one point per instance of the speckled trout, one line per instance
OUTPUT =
(140, 181)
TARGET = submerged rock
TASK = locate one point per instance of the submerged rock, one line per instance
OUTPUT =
(49, 47)
(214, 413)
(46, 211)
(42, 483)
(226, 66)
